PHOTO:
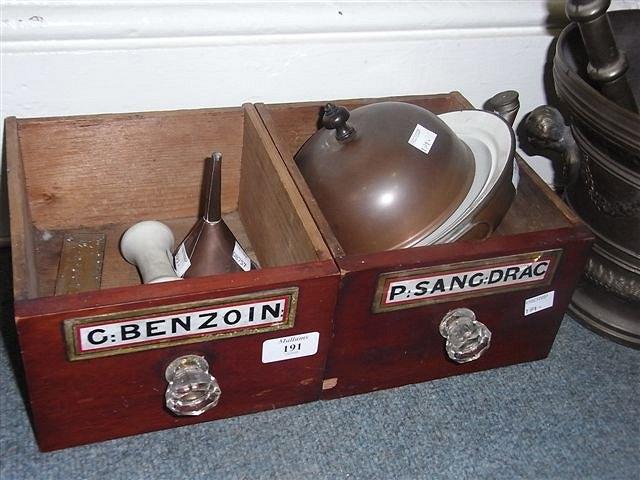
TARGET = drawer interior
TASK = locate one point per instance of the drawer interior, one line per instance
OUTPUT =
(103, 173)
(535, 207)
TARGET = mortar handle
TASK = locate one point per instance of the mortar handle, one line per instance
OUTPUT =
(546, 129)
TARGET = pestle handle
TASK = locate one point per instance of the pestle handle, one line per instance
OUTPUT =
(607, 64)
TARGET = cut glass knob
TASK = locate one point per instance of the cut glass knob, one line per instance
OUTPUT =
(467, 338)
(192, 390)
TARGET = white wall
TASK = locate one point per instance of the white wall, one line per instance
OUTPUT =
(62, 57)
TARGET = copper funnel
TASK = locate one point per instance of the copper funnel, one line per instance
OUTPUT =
(210, 248)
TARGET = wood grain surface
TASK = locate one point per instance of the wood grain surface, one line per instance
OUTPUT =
(371, 351)
(270, 205)
(99, 170)
(100, 174)
(103, 173)
(74, 403)
(22, 234)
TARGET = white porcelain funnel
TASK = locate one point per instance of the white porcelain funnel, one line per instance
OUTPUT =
(148, 246)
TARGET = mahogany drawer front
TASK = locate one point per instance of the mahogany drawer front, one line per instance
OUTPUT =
(86, 392)
(376, 350)
(94, 399)
(381, 344)
(96, 361)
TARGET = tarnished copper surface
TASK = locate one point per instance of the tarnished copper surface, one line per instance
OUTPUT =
(213, 255)
(379, 192)
(210, 244)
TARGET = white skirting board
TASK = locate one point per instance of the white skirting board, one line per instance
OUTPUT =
(66, 57)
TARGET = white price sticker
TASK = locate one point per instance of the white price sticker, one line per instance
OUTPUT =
(515, 177)
(182, 261)
(422, 138)
(241, 258)
(287, 348)
(541, 302)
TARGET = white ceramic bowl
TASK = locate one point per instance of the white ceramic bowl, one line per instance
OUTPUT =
(492, 142)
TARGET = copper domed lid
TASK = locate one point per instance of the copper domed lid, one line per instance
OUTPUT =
(386, 174)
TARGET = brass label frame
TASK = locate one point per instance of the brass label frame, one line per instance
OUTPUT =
(380, 305)
(73, 326)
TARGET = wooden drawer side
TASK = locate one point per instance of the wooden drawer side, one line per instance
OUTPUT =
(270, 205)
(92, 171)
(25, 283)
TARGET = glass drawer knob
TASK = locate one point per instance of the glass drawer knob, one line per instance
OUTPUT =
(192, 390)
(467, 338)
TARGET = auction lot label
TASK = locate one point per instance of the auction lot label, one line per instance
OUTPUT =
(129, 331)
(443, 283)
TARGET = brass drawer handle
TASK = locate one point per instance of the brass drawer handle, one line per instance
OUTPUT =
(467, 338)
(192, 390)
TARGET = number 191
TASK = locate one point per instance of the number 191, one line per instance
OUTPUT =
(292, 347)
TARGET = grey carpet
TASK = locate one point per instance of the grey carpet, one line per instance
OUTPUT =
(572, 416)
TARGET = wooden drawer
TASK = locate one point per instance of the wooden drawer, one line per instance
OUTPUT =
(379, 343)
(101, 174)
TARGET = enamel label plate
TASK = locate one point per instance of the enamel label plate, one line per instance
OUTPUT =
(133, 330)
(443, 283)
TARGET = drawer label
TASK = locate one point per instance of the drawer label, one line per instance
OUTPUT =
(130, 331)
(443, 283)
